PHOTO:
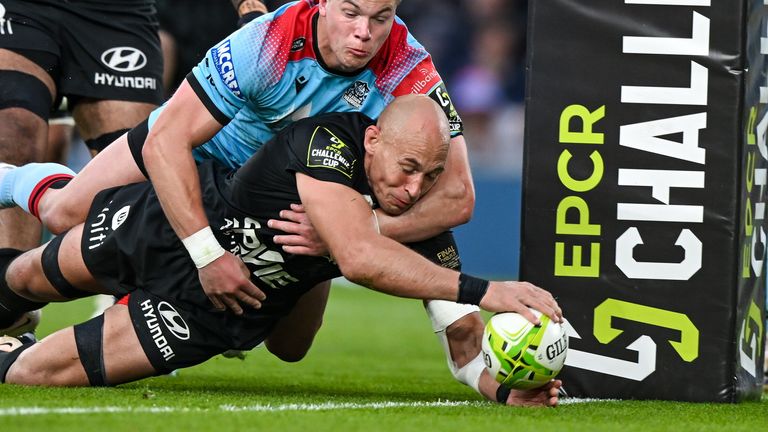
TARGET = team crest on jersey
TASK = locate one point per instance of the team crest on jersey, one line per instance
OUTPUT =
(326, 150)
(356, 93)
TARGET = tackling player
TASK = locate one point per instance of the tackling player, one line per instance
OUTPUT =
(337, 165)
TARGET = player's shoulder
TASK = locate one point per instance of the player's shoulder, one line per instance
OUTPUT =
(298, 10)
(399, 46)
(284, 22)
(342, 121)
(281, 34)
(400, 57)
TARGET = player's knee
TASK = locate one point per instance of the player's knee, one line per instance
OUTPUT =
(295, 348)
(35, 371)
(289, 354)
(23, 276)
(22, 135)
(467, 329)
(59, 214)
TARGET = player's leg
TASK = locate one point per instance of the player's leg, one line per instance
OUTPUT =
(60, 209)
(459, 327)
(61, 128)
(122, 70)
(50, 192)
(102, 351)
(26, 94)
(101, 122)
(52, 272)
(294, 333)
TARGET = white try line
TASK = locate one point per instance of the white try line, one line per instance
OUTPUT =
(33, 411)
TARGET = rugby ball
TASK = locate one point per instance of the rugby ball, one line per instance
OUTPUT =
(521, 355)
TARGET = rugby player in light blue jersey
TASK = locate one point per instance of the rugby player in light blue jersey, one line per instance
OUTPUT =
(301, 60)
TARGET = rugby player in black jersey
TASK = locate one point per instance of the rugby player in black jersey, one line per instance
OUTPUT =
(337, 165)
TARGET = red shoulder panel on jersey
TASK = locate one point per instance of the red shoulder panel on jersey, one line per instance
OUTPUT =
(289, 37)
(420, 80)
(396, 60)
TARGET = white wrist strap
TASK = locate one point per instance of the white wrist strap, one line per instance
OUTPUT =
(203, 247)
(376, 221)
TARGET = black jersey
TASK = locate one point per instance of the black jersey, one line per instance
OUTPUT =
(129, 245)
(328, 148)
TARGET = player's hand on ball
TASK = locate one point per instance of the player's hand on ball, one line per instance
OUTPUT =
(508, 296)
(302, 239)
(226, 281)
(546, 395)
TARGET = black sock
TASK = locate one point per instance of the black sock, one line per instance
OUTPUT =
(8, 358)
(12, 305)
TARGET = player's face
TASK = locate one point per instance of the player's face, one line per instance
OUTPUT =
(401, 172)
(351, 32)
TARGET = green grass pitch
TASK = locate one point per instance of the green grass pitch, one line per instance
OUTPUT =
(375, 366)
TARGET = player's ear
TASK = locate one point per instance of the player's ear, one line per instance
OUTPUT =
(322, 5)
(372, 138)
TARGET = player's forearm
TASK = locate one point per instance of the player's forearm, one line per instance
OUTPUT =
(174, 176)
(387, 266)
(340, 214)
(185, 123)
(448, 204)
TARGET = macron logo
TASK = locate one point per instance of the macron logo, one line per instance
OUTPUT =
(222, 54)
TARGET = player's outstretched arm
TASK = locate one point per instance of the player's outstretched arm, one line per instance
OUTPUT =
(342, 218)
(184, 124)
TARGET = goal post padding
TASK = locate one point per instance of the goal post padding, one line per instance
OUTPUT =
(644, 192)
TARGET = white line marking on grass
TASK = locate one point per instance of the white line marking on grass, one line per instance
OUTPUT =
(31, 411)
(570, 400)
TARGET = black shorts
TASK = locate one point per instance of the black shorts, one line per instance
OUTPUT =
(172, 336)
(441, 250)
(109, 52)
(130, 248)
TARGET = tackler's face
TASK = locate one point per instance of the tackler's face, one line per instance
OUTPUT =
(401, 170)
(351, 32)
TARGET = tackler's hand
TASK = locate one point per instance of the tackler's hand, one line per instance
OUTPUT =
(301, 237)
(226, 282)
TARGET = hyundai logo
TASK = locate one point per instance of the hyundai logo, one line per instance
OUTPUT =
(173, 321)
(124, 59)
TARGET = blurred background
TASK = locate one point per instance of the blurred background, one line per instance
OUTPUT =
(478, 47)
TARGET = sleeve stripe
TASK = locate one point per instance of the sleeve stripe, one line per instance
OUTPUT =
(207, 102)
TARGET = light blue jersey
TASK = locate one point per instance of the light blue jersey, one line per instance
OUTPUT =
(268, 75)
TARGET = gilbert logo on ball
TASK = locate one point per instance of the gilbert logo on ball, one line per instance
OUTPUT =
(521, 355)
